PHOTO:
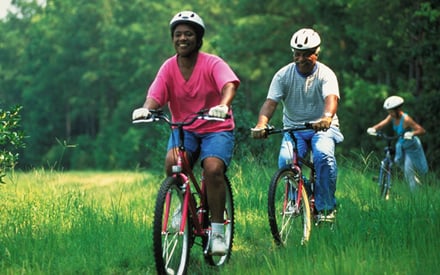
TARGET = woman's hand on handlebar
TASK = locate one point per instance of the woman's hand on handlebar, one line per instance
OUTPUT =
(220, 111)
(372, 131)
(141, 113)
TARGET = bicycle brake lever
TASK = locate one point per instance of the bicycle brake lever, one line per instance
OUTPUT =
(269, 127)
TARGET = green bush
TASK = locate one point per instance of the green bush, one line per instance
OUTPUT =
(11, 139)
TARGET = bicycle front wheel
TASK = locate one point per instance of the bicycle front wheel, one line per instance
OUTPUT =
(287, 219)
(384, 180)
(171, 244)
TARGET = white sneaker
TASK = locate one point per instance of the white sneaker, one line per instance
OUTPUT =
(218, 245)
(327, 216)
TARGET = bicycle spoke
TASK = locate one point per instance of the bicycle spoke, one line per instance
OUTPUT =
(285, 226)
(288, 218)
(171, 246)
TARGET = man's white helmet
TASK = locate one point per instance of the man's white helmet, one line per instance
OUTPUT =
(305, 39)
(393, 102)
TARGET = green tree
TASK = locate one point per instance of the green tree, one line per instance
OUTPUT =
(80, 67)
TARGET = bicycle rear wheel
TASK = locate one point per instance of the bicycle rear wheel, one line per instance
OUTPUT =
(384, 180)
(287, 220)
(229, 229)
(171, 246)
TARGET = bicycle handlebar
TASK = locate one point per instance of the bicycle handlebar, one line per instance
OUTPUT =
(387, 137)
(157, 115)
(300, 127)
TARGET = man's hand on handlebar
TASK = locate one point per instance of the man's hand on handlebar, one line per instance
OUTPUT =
(259, 132)
(323, 124)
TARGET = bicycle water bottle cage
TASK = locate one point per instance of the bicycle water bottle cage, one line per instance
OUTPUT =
(176, 169)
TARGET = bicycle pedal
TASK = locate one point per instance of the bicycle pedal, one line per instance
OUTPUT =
(329, 224)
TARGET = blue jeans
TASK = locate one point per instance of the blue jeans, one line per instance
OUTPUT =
(219, 145)
(323, 148)
(411, 158)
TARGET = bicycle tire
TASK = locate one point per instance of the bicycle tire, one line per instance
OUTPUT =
(285, 225)
(229, 220)
(171, 248)
(384, 180)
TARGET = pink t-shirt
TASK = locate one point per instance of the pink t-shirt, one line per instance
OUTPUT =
(201, 91)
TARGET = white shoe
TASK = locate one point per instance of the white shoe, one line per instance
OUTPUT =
(218, 245)
(327, 216)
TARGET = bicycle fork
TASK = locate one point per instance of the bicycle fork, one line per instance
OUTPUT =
(183, 212)
(186, 204)
(293, 195)
(188, 207)
(385, 177)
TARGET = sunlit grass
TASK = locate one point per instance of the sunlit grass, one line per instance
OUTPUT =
(100, 223)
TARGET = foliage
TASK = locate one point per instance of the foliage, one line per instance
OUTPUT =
(80, 67)
(11, 139)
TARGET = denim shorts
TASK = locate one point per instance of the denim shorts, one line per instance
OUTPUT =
(219, 145)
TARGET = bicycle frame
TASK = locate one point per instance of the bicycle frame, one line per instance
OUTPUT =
(384, 181)
(179, 216)
(296, 163)
(183, 171)
(188, 178)
(386, 165)
(290, 203)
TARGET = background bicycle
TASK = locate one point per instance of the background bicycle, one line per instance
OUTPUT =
(384, 179)
(291, 207)
(181, 216)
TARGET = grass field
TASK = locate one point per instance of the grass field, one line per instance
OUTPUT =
(100, 223)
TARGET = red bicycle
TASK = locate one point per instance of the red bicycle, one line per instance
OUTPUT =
(290, 199)
(181, 215)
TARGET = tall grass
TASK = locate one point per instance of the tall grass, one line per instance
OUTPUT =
(100, 223)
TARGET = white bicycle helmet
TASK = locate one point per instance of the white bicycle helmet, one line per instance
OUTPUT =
(393, 102)
(305, 39)
(188, 17)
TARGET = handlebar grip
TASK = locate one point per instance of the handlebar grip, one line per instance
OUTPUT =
(272, 130)
(145, 120)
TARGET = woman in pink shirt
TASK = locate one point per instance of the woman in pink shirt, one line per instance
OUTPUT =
(188, 82)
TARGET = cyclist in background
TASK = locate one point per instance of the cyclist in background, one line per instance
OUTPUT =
(309, 91)
(188, 82)
(410, 155)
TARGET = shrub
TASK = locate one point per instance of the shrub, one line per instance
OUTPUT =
(11, 139)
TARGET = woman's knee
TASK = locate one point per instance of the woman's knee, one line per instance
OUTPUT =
(213, 167)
